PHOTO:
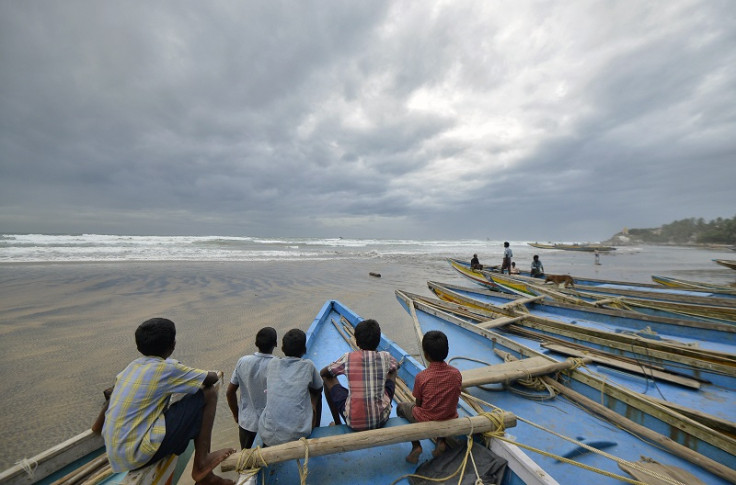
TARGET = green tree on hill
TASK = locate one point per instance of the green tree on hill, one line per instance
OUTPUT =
(691, 231)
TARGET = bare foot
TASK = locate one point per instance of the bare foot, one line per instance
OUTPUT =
(440, 448)
(212, 479)
(413, 456)
(201, 471)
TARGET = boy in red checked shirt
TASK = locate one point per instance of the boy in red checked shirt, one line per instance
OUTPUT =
(366, 402)
(436, 389)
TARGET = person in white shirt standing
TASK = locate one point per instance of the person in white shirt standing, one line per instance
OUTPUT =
(507, 255)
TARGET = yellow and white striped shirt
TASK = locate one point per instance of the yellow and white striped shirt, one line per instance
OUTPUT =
(134, 422)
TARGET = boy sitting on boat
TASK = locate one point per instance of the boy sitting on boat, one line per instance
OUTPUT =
(537, 269)
(141, 428)
(371, 374)
(436, 390)
(475, 263)
(250, 377)
(294, 394)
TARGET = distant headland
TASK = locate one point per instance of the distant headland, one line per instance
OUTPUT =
(685, 232)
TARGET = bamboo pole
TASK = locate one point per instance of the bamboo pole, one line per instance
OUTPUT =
(360, 440)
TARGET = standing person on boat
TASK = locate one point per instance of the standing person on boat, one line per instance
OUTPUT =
(141, 427)
(507, 255)
(371, 374)
(436, 389)
(294, 394)
(475, 263)
(537, 270)
(250, 377)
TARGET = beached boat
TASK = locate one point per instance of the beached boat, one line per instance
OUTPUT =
(580, 404)
(728, 263)
(628, 341)
(573, 247)
(651, 303)
(699, 295)
(476, 276)
(331, 455)
(716, 290)
(82, 460)
(335, 455)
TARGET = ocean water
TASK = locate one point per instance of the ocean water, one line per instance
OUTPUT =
(629, 263)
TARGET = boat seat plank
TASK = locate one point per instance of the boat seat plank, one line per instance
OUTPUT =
(499, 322)
(522, 301)
(511, 371)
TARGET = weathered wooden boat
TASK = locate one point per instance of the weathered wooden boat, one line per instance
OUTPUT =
(705, 295)
(654, 347)
(82, 460)
(595, 411)
(335, 455)
(659, 304)
(713, 289)
(728, 263)
(573, 247)
(476, 276)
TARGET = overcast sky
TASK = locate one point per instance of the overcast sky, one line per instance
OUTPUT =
(517, 120)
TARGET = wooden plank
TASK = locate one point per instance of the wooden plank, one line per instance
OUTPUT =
(511, 371)
(521, 301)
(642, 369)
(359, 440)
(498, 322)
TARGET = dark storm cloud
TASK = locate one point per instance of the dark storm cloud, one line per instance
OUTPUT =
(459, 119)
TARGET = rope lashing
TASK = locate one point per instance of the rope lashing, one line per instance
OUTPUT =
(250, 461)
(304, 470)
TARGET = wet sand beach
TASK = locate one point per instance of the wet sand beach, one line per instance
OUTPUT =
(67, 329)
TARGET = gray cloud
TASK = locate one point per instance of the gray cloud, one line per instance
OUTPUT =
(451, 120)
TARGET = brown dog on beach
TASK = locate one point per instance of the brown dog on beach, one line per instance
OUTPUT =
(558, 279)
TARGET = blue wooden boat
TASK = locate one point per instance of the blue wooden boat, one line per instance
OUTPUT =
(472, 346)
(658, 304)
(644, 347)
(82, 460)
(328, 337)
(678, 290)
(713, 289)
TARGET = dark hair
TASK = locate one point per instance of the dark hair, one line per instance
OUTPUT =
(368, 334)
(294, 343)
(536, 256)
(266, 340)
(434, 344)
(506, 244)
(156, 336)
